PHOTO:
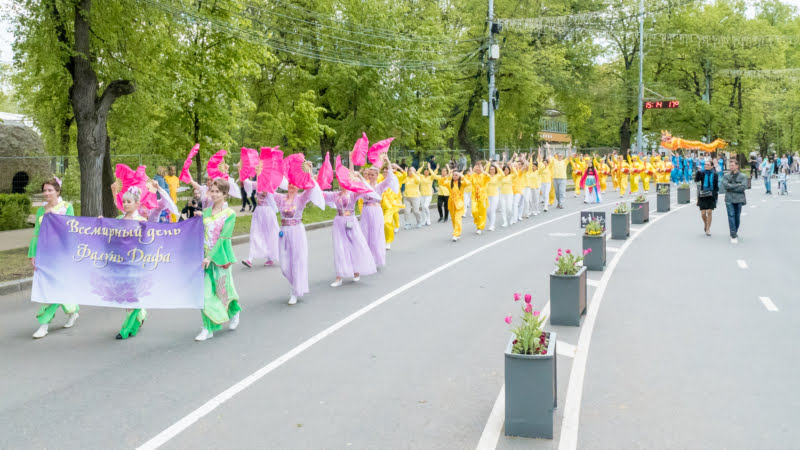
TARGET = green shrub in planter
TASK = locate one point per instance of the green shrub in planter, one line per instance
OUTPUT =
(14, 211)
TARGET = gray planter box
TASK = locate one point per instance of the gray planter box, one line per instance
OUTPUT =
(640, 212)
(531, 393)
(567, 298)
(620, 226)
(683, 195)
(662, 202)
(596, 260)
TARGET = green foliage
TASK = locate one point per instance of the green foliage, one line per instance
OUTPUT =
(622, 208)
(529, 339)
(14, 209)
(567, 262)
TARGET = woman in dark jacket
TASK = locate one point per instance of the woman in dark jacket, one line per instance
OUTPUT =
(707, 192)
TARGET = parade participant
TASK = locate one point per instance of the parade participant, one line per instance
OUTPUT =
(264, 231)
(457, 184)
(352, 256)
(518, 183)
(220, 300)
(602, 172)
(545, 176)
(397, 197)
(173, 183)
(589, 182)
(51, 190)
(648, 173)
(493, 193)
(577, 172)
(443, 197)
(479, 180)
(467, 192)
(391, 201)
(426, 189)
(689, 168)
(636, 170)
(624, 173)
(615, 170)
(412, 197)
(293, 243)
(131, 202)
(373, 215)
(707, 192)
(532, 188)
(675, 173)
(658, 167)
(559, 171)
(668, 168)
(507, 196)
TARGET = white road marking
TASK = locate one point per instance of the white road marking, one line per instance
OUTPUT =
(612, 249)
(572, 405)
(592, 283)
(187, 421)
(763, 201)
(754, 206)
(635, 229)
(742, 263)
(744, 214)
(565, 349)
(768, 304)
(561, 234)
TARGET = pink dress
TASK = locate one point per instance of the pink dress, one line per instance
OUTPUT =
(351, 254)
(371, 222)
(293, 245)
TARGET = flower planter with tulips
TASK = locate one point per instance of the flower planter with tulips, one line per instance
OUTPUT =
(640, 210)
(568, 289)
(621, 222)
(594, 246)
(662, 199)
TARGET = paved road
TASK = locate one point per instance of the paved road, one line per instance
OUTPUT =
(424, 367)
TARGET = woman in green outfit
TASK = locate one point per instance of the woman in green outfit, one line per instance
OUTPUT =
(51, 189)
(131, 202)
(221, 302)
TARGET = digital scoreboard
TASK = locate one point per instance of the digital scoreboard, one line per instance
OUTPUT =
(665, 104)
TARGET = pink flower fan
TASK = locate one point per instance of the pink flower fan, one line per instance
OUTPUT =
(325, 175)
(129, 178)
(185, 177)
(359, 155)
(374, 153)
(212, 168)
(293, 167)
(271, 174)
(347, 180)
(250, 161)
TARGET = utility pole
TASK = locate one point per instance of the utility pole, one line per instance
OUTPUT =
(493, 53)
(641, 76)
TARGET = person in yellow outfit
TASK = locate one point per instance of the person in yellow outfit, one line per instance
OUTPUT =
(658, 166)
(467, 193)
(389, 204)
(518, 183)
(480, 201)
(426, 189)
(636, 171)
(412, 198)
(173, 183)
(532, 188)
(506, 194)
(647, 173)
(625, 170)
(577, 172)
(612, 161)
(545, 180)
(493, 193)
(397, 199)
(457, 186)
(602, 173)
(443, 197)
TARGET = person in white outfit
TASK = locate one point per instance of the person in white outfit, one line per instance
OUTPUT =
(493, 193)
(506, 195)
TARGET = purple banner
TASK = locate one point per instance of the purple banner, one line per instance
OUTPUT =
(119, 263)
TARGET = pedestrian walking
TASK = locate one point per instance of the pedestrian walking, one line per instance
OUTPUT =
(767, 169)
(735, 184)
(707, 192)
(783, 177)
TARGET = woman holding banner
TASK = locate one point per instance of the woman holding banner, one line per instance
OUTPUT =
(51, 189)
(221, 302)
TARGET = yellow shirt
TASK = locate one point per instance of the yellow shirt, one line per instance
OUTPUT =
(456, 201)
(505, 184)
(443, 190)
(493, 188)
(412, 186)
(479, 182)
(544, 173)
(533, 178)
(173, 183)
(559, 168)
(519, 180)
(426, 185)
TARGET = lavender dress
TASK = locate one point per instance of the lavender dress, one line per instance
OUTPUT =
(293, 246)
(351, 254)
(264, 230)
(371, 222)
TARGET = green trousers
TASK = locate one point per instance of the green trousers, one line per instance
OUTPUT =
(132, 323)
(47, 312)
(233, 309)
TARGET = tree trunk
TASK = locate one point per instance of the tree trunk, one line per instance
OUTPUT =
(196, 136)
(91, 113)
(463, 131)
(109, 206)
(625, 136)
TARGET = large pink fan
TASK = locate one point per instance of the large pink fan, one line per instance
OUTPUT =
(325, 175)
(185, 177)
(138, 178)
(212, 168)
(374, 153)
(293, 167)
(271, 174)
(250, 162)
(359, 155)
(352, 184)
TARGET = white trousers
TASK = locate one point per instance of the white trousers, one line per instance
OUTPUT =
(491, 211)
(412, 207)
(533, 201)
(519, 199)
(592, 198)
(545, 190)
(467, 202)
(507, 207)
(526, 203)
(425, 209)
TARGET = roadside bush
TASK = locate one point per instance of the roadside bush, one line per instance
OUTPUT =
(14, 211)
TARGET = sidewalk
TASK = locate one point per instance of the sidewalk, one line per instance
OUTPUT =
(10, 240)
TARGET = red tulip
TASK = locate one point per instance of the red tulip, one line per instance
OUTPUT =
(528, 308)
(508, 319)
(528, 298)
(517, 297)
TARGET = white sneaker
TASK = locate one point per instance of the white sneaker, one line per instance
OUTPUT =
(204, 334)
(407, 227)
(504, 225)
(397, 230)
(336, 283)
(41, 332)
(491, 228)
(479, 231)
(455, 238)
(234, 323)
(71, 320)
(734, 240)
(357, 278)
(292, 300)
(419, 225)
(388, 246)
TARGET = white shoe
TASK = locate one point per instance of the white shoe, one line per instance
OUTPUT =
(479, 231)
(41, 332)
(71, 320)
(397, 230)
(491, 228)
(388, 246)
(336, 283)
(292, 300)
(455, 238)
(734, 240)
(504, 225)
(357, 278)
(419, 225)
(204, 334)
(234, 323)
(407, 227)
(545, 209)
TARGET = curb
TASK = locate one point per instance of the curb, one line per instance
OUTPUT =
(9, 287)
